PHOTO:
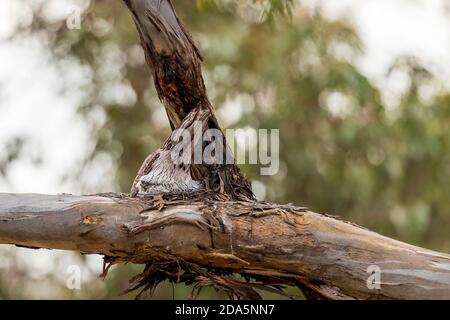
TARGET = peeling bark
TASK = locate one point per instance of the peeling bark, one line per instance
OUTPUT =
(205, 228)
(276, 245)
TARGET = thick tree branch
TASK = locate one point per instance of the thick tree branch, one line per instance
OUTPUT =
(213, 228)
(272, 243)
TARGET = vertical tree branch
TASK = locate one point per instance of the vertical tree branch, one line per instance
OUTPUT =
(176, 64)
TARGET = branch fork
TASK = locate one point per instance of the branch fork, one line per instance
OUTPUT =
(199, 223)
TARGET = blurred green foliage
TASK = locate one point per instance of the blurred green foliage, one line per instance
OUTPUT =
(346, 148)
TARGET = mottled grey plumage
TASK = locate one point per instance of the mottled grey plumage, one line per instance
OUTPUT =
(176, 64)
(164, 171)
(165, 177)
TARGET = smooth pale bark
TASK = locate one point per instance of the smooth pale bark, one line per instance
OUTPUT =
(325, 257)
(328, 256)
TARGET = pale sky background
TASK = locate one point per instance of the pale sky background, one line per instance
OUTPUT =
(30, 83)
